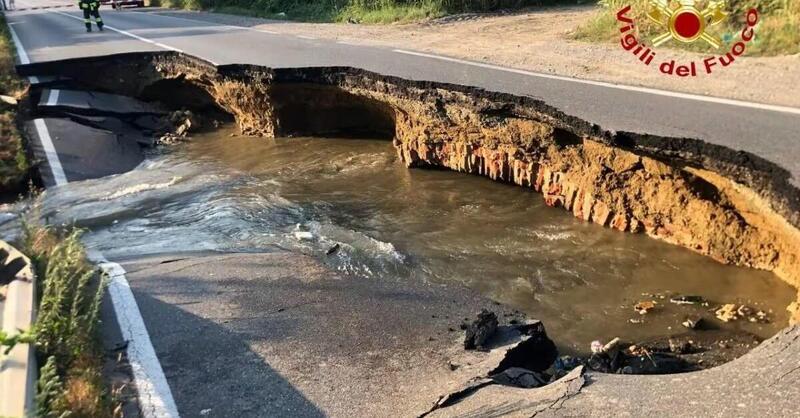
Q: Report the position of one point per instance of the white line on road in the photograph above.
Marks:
(155, 396)
(50, 152)
(52, 98)
(708, 99)
(23, 56)
(126, 33)
(306, 37)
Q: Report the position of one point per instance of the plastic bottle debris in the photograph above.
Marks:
(687, 300)
(610, 345)
(303, 235)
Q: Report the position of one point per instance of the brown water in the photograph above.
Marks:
(581, 280)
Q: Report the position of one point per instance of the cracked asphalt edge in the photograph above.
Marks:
(552, 396)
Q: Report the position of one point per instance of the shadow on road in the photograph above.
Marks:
(205, 366)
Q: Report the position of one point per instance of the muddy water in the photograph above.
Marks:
(251, 194)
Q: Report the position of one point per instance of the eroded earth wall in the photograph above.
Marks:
(732, 206)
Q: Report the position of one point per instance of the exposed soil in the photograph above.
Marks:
(540, 41)
(734, 207)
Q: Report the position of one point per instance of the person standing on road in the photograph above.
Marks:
(91, 8)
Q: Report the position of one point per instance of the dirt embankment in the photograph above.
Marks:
(736, 208)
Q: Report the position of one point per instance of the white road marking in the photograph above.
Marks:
(688, 96)
(52, 98)
(50, 152)
(155, 396)
(23, 56)
(126, 33)
(306, 37)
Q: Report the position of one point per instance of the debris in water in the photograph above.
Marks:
(679, 346)
(687, 300)
(761, 317)
(692, 322)
(744, 311)
(726, 313)
(567, 363)
(333, 249)
(529, 327)
(481, 330)
(303, 235)
(611, 345)
(644, 307)
(596, 346)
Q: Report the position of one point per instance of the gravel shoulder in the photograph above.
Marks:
(539, 41)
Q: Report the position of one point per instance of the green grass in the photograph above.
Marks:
(14, 164)
(778, 31)
(69, 292)
(362, 11)
(391, 13)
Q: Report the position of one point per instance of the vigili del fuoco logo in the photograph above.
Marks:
(685, 21)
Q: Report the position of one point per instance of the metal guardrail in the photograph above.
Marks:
(18, 368)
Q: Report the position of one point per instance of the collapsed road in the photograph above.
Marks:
(164, 282)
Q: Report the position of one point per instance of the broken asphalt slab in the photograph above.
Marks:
(764, 382)
(83, 152)
(94, 103)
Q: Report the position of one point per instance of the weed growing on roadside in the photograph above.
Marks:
(66, 329)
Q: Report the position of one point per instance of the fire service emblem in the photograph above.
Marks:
(686, 23)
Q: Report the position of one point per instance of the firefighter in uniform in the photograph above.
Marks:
(91, 8)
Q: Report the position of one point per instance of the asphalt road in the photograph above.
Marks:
(51, 34)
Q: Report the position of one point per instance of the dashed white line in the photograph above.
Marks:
(708, 99)
(155, 396)
(306, 37)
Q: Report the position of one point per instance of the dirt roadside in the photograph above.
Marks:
(540, 41)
